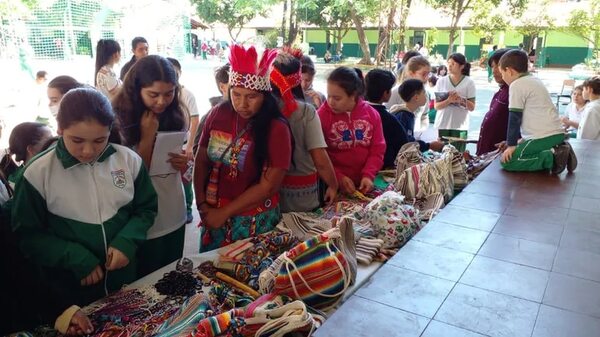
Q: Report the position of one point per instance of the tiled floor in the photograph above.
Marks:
(514, 254)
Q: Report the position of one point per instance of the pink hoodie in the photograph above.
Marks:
(355, 141)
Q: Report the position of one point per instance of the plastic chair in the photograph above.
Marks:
(565, 92)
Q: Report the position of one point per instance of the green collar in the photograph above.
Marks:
(456, 85)
(69, 161)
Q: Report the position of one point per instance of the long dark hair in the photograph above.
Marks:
(462, 60)
(261, 125)
(22, 136)
(105, 49)
(128, 103)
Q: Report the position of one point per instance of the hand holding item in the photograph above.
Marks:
(178, 160)
(149, 124)
(115, 259)
(347, 185)
(214, 218)
(94, 277)
(80, 325)
(366, 185)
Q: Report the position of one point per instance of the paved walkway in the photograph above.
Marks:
(514, 254)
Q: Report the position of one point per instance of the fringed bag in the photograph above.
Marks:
(425, 179)
(459, 167)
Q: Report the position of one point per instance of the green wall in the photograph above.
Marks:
(563, 49)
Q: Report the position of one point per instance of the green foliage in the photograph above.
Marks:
(585, 23)
(232, 13)
(488, 19)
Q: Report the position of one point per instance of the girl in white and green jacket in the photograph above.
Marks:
(83, 207)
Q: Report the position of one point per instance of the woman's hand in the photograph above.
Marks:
(178, 161)
(214, 218)
(80, 325)
(148, 124)
(94, 277)
(330, 195)
(366, 185)
(315, 96)
(116, 259)
(347, 185)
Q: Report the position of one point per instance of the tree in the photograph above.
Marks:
(455, 9)
(328, 15)
(584, 23)
(234, 14)
(488, 19)
(362, 11)
(536, 23)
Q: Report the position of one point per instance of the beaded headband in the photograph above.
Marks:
(285, 84)
(247, 71)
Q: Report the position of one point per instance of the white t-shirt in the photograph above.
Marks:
(454, 117)
(107, 80)
(574, 114)
(540, 118)
(172, 213)
(189, 101)
(589, 126)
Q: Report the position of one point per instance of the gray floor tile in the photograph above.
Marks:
(581, 239)
(488, 312)
(577, 263)
(439, 329)
(526, 194)
(574, 294)
(554, 322)
(583, 220)
(529, 229)
(468, 217)
(407, 290)
(507, 278)
(359, 317)
(481, 202)
(451, 236)
(538, 211)
(586, 204)
(529, 253)
(432, 260)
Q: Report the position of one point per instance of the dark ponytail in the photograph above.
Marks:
(105, 49)
(349, 79)
(22, 136)
(462, 60)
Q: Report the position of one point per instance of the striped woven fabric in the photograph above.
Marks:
(315, 271)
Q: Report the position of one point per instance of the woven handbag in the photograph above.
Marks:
(316, 271)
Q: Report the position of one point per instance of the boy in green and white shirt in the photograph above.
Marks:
(532, 113)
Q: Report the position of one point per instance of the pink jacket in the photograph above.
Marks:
(355, 141)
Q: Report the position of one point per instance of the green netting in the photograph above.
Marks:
(66, 29)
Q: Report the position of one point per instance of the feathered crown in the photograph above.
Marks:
(247, 71)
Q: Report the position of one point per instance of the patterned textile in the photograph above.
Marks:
(238, 228)
(459, 167)
(315, 271)
(394, 221)
(424, 179)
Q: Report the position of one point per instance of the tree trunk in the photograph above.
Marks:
(327, 39)
(362, 37)
(405, 9)
(232, 35)
(338, 40)
(451, 38)
(285, 7)
(293, 29)
(384, 35)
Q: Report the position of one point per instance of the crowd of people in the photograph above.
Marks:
(82, 215)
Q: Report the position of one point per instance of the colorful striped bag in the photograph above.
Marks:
(316, 271)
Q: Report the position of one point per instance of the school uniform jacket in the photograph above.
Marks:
(68, 213)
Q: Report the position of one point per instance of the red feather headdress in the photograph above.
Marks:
(247, 71)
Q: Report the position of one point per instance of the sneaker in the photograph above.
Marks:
(572, 161)
(561, 157)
